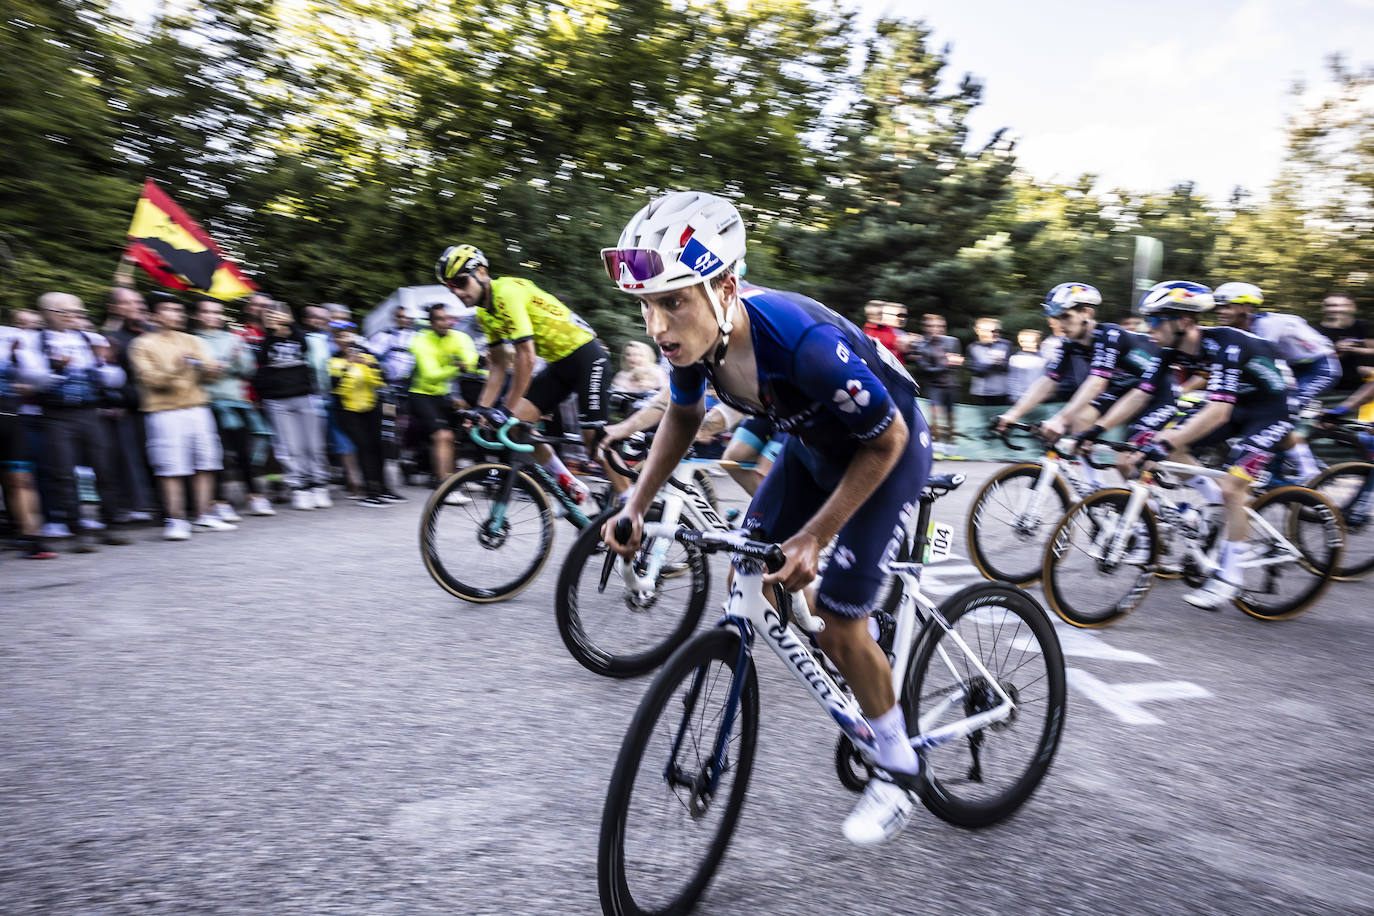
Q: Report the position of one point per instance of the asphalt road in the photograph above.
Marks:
(292, 718)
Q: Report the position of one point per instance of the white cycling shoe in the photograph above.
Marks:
(881, 814)
(1214, 594)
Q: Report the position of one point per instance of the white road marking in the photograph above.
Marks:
(1123, 700)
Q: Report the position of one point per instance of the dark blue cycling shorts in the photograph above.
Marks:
(802, 480)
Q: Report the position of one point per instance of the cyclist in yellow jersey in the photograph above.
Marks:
(536, 324)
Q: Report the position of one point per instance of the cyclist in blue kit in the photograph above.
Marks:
(857, 453)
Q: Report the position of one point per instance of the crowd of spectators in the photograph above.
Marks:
(175, 416)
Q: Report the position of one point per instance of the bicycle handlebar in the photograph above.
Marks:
(1005, 434)
(503, 440)
(770, 555)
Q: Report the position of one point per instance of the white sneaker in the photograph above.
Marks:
(302, 499)
(321, 496)
(260, 505)
(226, 513)
(91, 524)
(212, 523)
(52, 530)
(1214, 594)
(457, 498)
(881, 814)
(176, 529)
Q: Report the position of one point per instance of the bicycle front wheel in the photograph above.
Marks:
(983, 778)
(1093, 576)
(667, 821)
(1342, 485)
(1008, 523)
(486, 532)
(618, 632)
(1293, 551)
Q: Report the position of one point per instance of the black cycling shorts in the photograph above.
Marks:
(584, 372)
(14, 452)
(431, 412)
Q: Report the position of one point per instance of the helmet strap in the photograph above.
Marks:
(722, 322)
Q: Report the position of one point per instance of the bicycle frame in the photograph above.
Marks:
(680, 497)
(750, 612)
(519, 456)
(1053, 466)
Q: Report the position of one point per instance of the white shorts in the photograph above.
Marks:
(181, 442)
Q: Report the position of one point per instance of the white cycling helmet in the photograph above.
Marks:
(678, 240)
(1238, 294)
(1067, 295)
(1176, 296)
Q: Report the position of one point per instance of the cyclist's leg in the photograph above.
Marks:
(547, 389)
(753, 443)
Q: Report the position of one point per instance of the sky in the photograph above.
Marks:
(1144, 94)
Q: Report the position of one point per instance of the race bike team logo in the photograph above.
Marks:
(852, 396)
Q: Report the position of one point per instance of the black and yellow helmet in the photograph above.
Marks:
(458, 260)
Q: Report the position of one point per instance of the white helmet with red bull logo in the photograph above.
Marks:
(1176, 296)
(1069, 295)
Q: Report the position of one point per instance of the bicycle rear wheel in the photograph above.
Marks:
(1342, 485)
(983, 778)
(486, 532)
(1088, 582)
(1279, 583)
(616, 633)
(663, 828)
(1008, 527)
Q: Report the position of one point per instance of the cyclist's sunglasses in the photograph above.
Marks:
(629, 266)
(1155, 321)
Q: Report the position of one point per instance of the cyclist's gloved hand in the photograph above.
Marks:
(1157, 451)
(1335, 413)
(1086, 437)
(495, 415)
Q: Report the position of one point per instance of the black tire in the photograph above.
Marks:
(613, 634)
(1309, 521)
(1341, 485)
(999, 547)
(468, 556)
(1082, 588)
(624, 891)
(1016, 643)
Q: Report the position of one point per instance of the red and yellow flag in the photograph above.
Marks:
(179, 254)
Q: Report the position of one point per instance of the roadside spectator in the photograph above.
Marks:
(986, 362)
(1134, 324)
(236, 421)
(639, 369)
(933, 358)
(285, 382)
(1025, 365)
(21, 371)
(884, 321)
(80, 381)
(441, 353)
(357, 383)
(1352, 337)
(391, 346)
(171, 365)
(319, 326)
(127, 318)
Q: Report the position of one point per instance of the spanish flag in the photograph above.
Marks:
(179, 254)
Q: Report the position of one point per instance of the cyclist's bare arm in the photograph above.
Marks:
(524, 369)
(498, 361)
(1082, 397)
(674, 437)
(867, 470)
(646, 417)
(1035, 395)
(1125, 409)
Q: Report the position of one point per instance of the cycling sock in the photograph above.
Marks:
(1231, 552)
(1207, 488)
(1302, 457)
(555, 466)
(894, 747)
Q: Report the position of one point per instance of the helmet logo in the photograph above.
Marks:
(699, 258)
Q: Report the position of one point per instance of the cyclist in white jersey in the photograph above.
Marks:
(1309, 354)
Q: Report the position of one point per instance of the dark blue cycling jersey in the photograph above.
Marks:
(1112, 352)
(827, 384)
(820, 378)
(1237, 363)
